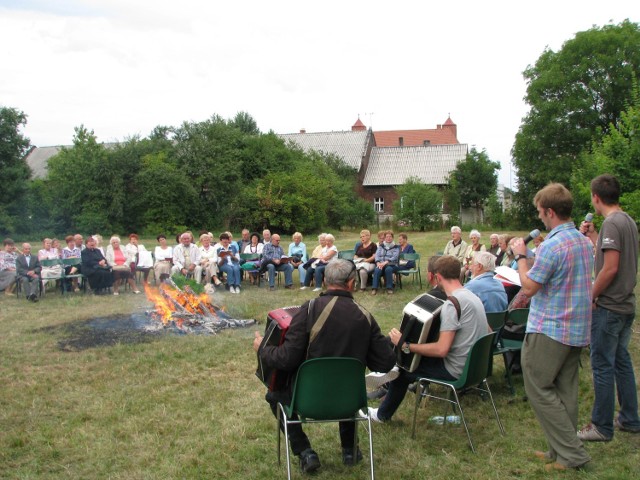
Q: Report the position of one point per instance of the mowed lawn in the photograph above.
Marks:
(80, 403)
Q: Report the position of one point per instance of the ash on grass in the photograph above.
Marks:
(117, 329)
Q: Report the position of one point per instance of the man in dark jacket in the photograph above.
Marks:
(28, 272)
(348, 331)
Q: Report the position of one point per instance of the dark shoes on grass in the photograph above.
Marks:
(348, 458)
(309, 461)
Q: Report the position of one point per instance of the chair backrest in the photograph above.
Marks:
(250, 256)
(518, 316)
(50, 262)
(71, 261)
(411, 257)
(346, 254)
(496, 320)
(329, 388)
(476, 369)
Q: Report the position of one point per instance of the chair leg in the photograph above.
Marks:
(370, 431)
(507, 369)
(495, 410)
(286, 438)
(464, 422)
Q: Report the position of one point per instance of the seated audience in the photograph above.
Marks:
(536, 243)
(503, 255)
(186, 258)
(28, 272)
(272, 261)
(71, 251)
(445, 358)
(133, 249)
(79, 241)
(255, 247)
(209, 260)
(488, 289)
(49, 253)
(120, 262)
(8, 258)
(55, 244)
(316, 270)
(494, 244)
(266, 236)
(472, 248)
(298, 253)
(95, 267)
(387, 257)
(244, 241)
(98, 238)
(317, 251)
(456, 247)
(228, 260)
(405, 247)
(365, 257)
(163, 254)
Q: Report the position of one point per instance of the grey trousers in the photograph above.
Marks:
(551, 375)
(7, 277)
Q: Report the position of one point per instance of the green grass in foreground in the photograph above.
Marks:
(190, 406)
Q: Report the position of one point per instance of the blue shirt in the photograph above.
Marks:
(299, 250)
(490, 291)
(561, 309)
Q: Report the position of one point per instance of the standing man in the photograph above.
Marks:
(559, 284)
(272, 261)
(614, 307)
(28, 272)
(348, 331)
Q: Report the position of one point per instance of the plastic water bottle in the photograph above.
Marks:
(453, 419)
(437, 420)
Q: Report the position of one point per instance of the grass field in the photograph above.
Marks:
(188, 406)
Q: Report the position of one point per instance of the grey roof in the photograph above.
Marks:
(348, 145)
(38, 159)
(431, 164)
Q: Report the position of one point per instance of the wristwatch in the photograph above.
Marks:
(520, 257)
(405, 348)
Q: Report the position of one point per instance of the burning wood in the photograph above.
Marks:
(187, 310)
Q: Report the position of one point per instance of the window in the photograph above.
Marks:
(401, 141)
(378, 204)
(426, 142)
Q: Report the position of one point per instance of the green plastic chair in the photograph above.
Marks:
(330, 389)
(496, 322)
(517, 316)
(474, 377)
(410, 271)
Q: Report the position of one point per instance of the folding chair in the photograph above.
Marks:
(496, 322)
(328, 389)
(473, 376)
(415, 257)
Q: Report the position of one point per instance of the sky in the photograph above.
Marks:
(123, 67)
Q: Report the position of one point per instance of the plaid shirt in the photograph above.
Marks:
(562, 307)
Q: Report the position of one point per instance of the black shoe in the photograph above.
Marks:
(33, 297)
(377, 393)
(348, 457)
(309, 461)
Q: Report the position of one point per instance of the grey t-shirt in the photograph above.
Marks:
(619, 232)
(471, 326)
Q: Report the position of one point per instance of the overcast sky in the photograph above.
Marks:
(122, 67)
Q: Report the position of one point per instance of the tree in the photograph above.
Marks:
(575, 96)
(419, 204)
(475, 179)
(619, 154)
(245, 123)
(14, 168)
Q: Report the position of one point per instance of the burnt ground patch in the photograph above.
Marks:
(105, 331)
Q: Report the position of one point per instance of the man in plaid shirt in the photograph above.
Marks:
(559, 324)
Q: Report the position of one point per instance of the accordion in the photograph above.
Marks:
(420, 324)
(278, 322)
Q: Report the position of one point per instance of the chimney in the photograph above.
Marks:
(303, 130)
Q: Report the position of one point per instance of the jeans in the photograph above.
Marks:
(431, 367)
(387, 271)
(612, 367)
(286, 268)
(233, 273)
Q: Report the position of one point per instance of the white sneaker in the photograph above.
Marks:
(303, 288)
(237, 289)
(375, 379)
(373, 414)
(317, 289)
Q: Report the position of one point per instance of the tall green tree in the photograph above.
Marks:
(575, 96)
(619, 154)
(14, 168)
(475, 179)
(419, 204)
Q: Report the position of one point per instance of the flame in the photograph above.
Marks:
(168, 300)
